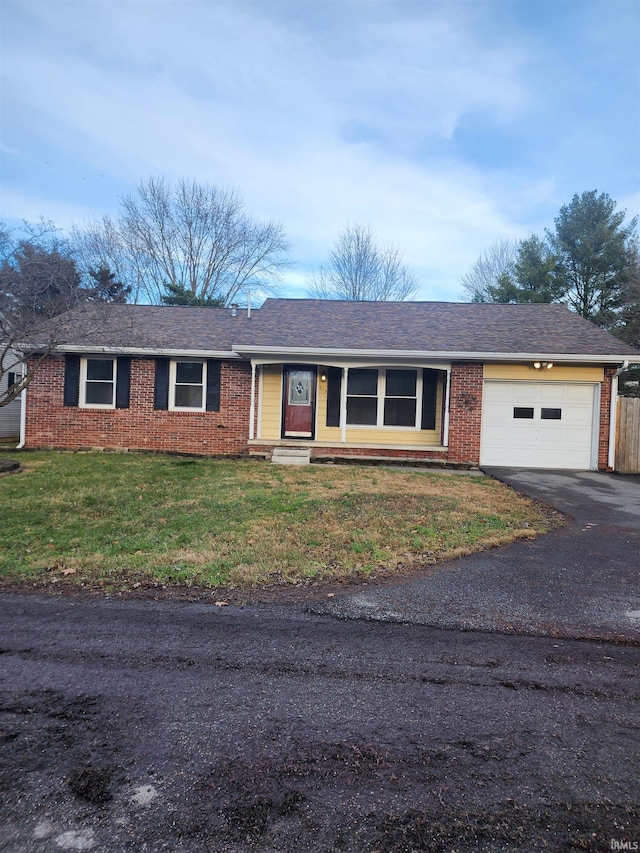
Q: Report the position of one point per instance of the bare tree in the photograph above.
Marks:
(194, 238)
(39, 285)
(493, 269)
(361, 270)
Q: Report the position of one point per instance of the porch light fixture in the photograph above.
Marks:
(323, 376)
(542, 365)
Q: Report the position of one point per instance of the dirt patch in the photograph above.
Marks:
(285, 593)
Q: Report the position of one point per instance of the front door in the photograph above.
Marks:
(299, 402)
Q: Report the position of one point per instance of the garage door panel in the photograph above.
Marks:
(561, 439)
(552, 394)
(516, 394)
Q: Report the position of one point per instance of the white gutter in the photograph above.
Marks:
(312, 353)
(171, 353)
(613, 415)
(23, 419)
(273, 354)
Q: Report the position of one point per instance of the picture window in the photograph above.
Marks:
(383, 398)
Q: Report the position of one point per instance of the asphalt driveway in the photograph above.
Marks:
(580, 581)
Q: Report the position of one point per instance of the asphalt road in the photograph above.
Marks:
(166, 726)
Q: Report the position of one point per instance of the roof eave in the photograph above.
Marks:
(445, 355)
(147, 351)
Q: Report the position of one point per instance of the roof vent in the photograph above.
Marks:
(234, 309)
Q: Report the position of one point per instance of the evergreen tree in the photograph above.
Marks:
(176, 294)
(534, 272)
(595, 252)
(106, 288)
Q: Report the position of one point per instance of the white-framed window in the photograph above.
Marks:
(187, 385)
(98, 383)
(384, 397)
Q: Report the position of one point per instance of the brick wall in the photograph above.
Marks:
(465, 412)
(140, 427)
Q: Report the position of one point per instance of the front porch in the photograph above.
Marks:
(385, 411)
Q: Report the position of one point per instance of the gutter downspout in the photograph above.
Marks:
(23, 419)
(611, 459)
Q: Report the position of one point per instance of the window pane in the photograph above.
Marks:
(362, 381)
(401, 383)
(189, 396)
(300, 387)
(523, 412)
(100, 368)
(362, 410)
(100, 393)
(189, 372)
(398, 412)
(551, 414)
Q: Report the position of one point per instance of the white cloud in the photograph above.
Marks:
(320, 113)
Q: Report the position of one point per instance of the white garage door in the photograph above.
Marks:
(538, 425)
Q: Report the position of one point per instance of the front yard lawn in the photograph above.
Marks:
(125, 521)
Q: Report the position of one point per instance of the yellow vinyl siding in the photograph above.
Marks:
(381, 436)
(385, 437)
(271, 401)
(558, 373)
(391, 436)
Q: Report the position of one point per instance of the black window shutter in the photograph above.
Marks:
(161, 387)
(429, 391)
(123, 381)
(334, 387)
(213, 385)
(71, 380)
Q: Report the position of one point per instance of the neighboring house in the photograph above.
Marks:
(10, 414)
(455, 383)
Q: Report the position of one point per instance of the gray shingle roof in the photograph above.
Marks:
(428, 327)
(157, 327)
(290, 324)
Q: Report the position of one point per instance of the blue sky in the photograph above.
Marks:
(443, 126)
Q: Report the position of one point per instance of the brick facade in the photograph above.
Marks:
(139, 427)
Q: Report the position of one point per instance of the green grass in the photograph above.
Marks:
(123, 520)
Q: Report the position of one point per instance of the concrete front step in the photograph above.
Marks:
(291, 456)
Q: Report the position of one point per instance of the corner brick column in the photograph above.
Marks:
(605, 420)
(465, 412)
